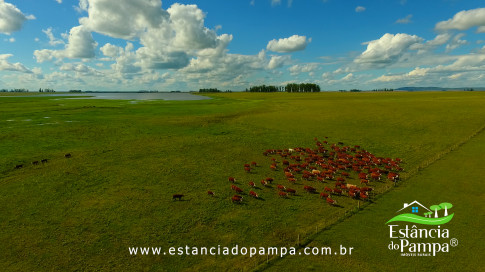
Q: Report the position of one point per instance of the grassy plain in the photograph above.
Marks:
(128, 158)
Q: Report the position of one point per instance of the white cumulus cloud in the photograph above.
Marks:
(122, 18)
(52, 40)
(5, 65)
(80, 45)
(388, 49)
(291, 44)
(405, 20)
(464, 20)
(360, 9)
(11, 18)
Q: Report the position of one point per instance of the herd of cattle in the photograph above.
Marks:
(43, 161)
(344, 170)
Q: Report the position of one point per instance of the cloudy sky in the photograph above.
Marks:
(130, 45)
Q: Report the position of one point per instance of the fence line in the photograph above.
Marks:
(308, 237)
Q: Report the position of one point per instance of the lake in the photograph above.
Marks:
(126, 96)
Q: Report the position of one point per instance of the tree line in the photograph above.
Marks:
(47, 90)
(213, 90)
(14, 90)
(302, 88)
(290, 87)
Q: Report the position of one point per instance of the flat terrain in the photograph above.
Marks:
(129, 157)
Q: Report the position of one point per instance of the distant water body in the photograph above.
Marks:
(128, 96)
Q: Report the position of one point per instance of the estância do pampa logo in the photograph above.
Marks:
(425, 237)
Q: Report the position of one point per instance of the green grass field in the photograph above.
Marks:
(129, 158)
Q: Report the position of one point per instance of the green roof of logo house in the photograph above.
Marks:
(411, 211)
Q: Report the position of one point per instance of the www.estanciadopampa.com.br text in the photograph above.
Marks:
(240, 251)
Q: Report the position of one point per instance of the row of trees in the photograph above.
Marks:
(213, 90)
(290, 87)
(383, 90)
(209, 90)
(14, 90)
(302, 88)
(47, 90)
(264, 89)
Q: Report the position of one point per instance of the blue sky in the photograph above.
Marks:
(130, 45)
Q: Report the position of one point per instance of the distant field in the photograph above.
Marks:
(128, 158)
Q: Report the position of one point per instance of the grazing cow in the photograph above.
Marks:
(253, 194)
(289, 175)
(237, 189)
(331, 201)
(393, 176)
(236, 198)
(35, 163)
(281, 187)
(337, 191)
(364, 181)
(44, 160)
(283, 194)
(309, 189)
(264, 182)
(291, 180)
(291, 191)
(340, 179)
(247, 169)
(353, 193)
(375, 176)
(254, 163)
(177, 196)
(316, 172)
(323, 195)
(251, 184)
(362, 175)
(68, 155)
(326, 189)
(210, 193)
(364, 195)
(345, 174)
(231, 179)
(270, 180)
(273, 166)
(18, 166)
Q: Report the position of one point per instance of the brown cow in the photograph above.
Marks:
(283, 194)
(309, 189)
(253, 194)
(236, 198)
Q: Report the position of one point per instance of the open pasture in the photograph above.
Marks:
(129, 159)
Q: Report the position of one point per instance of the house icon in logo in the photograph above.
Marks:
(411, 213)
(413, 207)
